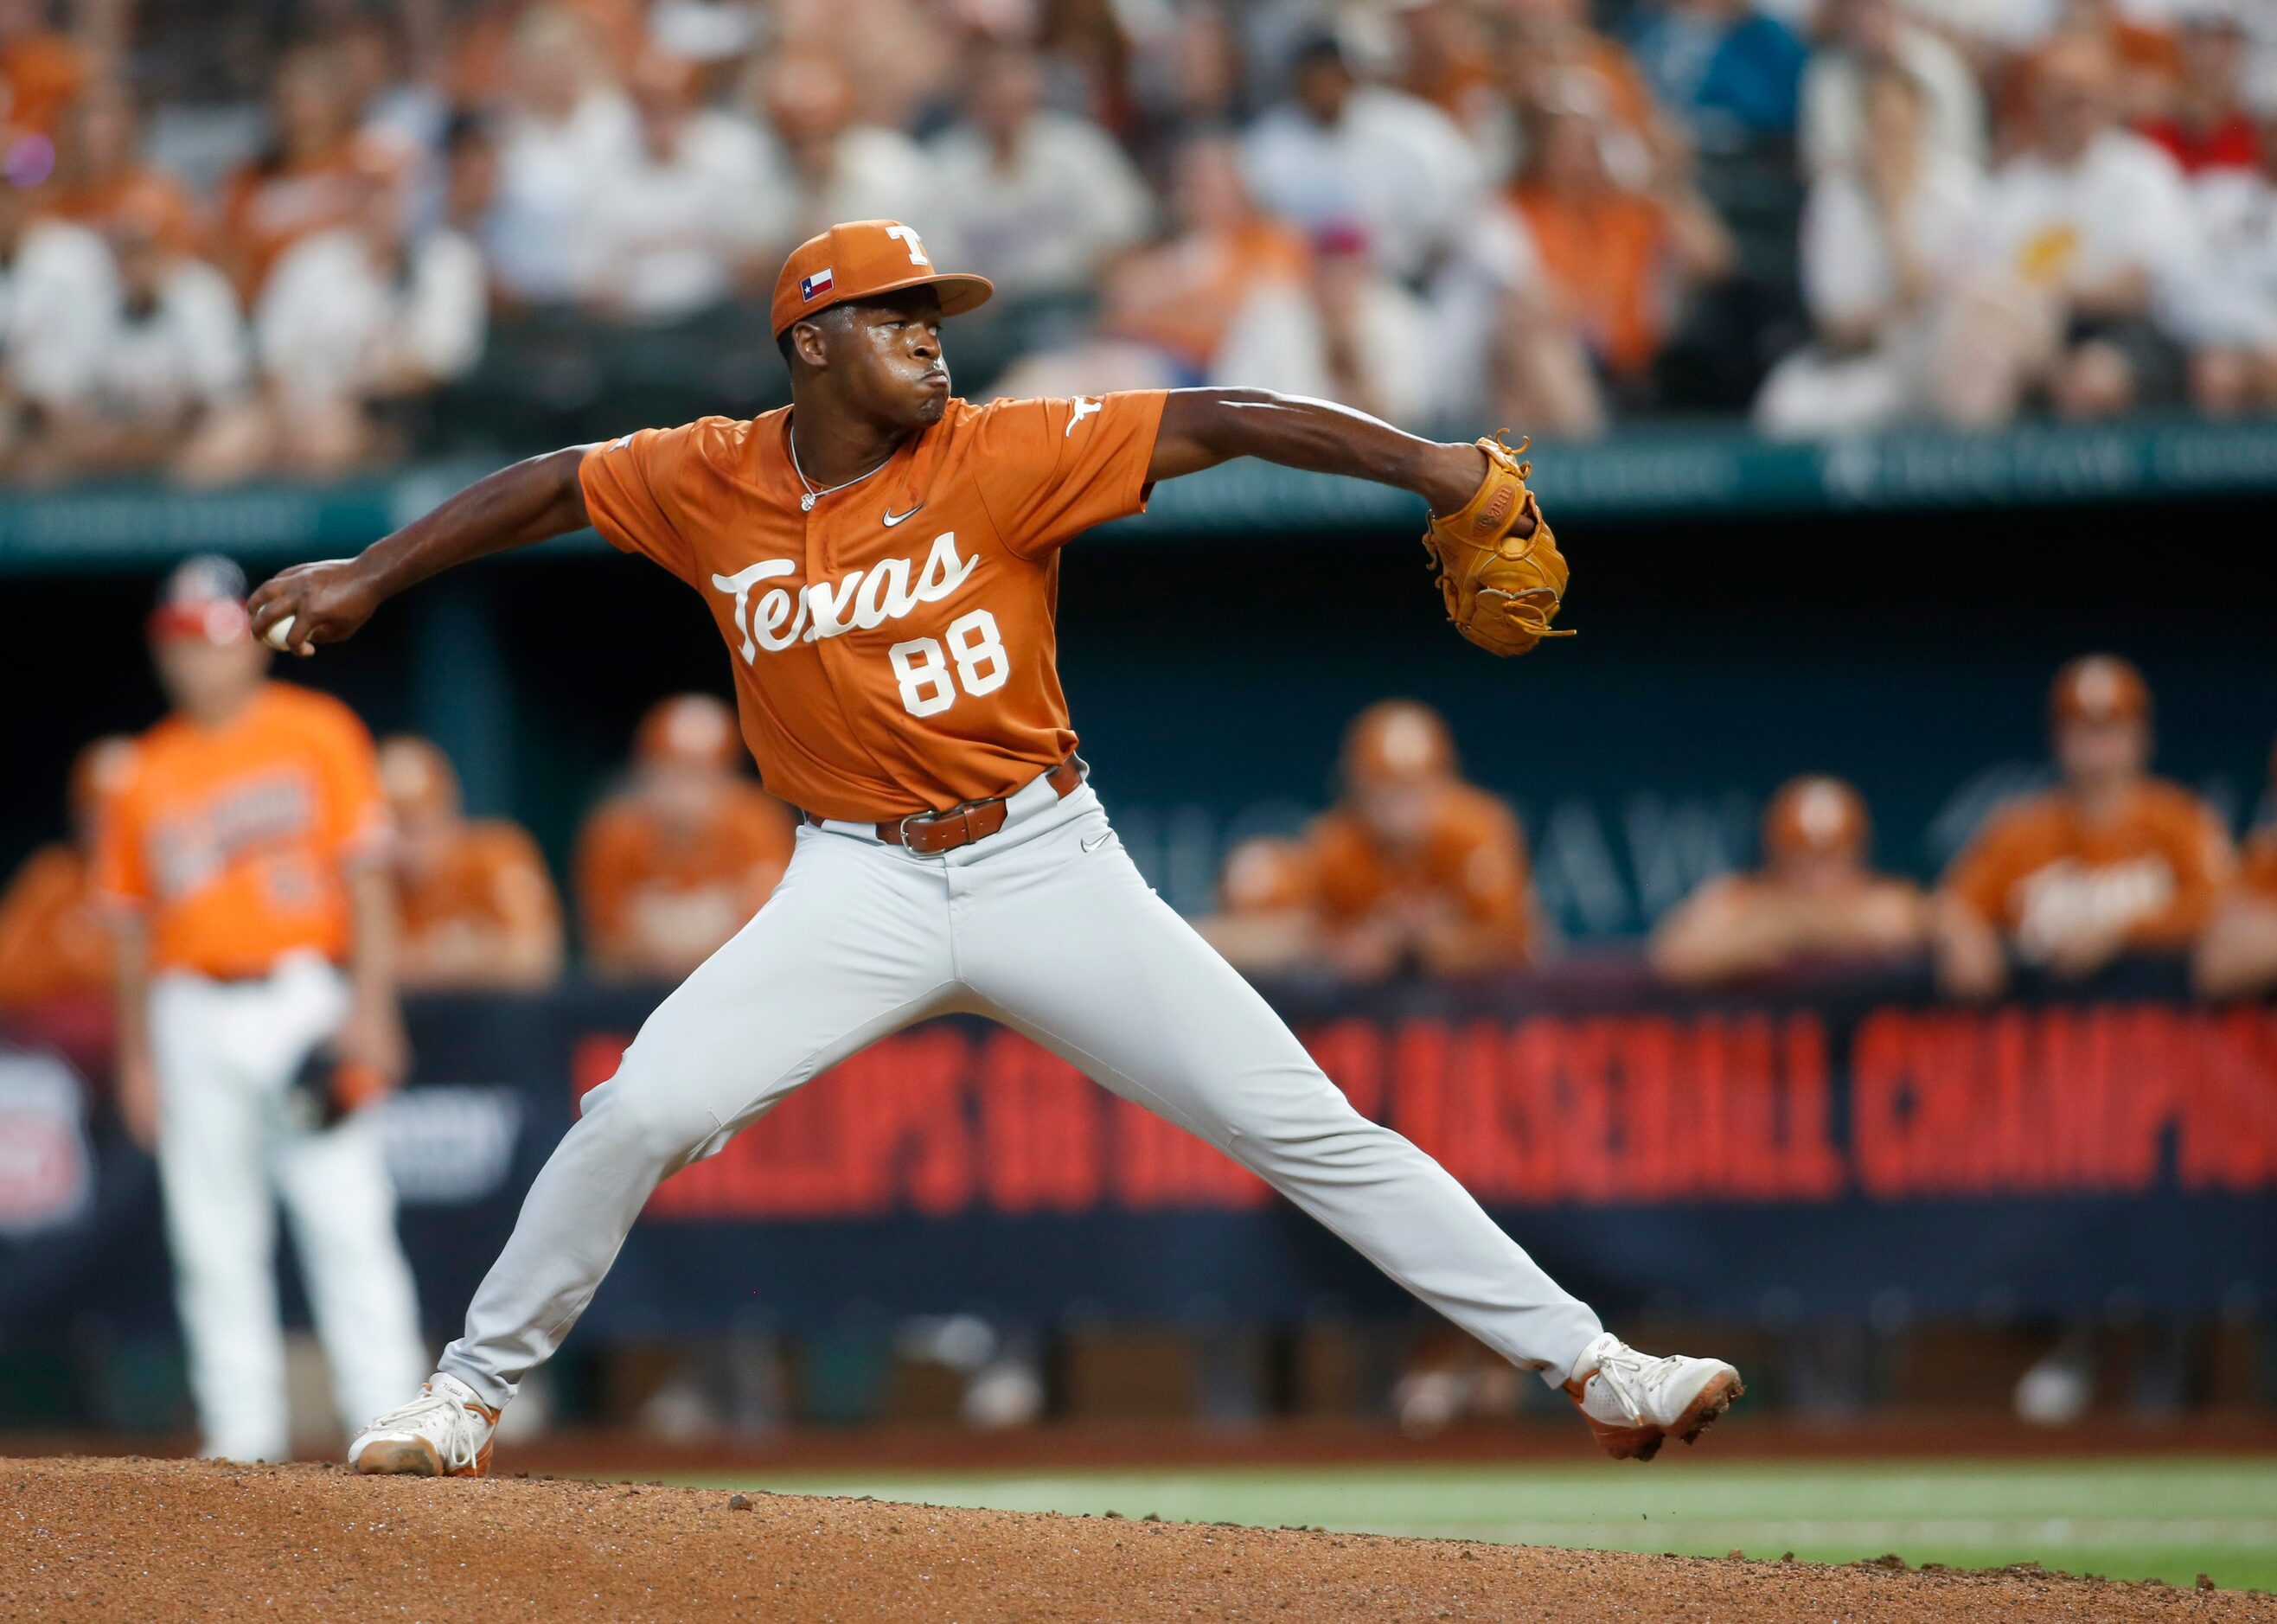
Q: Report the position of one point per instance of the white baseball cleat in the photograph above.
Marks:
(1635, 1403)
(444, 1432)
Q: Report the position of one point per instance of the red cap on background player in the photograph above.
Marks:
(204, 599)
(863, 259)
(2100, 688)
(1813, 816)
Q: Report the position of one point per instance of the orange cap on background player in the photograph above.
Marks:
(96, 773)
(863, 259)
(204, 598)
(689, 731)
(1398, 741)
(417, 777)
(2100, 688)
(1816, 815)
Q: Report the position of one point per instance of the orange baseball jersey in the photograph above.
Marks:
(1472, 861)
(234, 841)
(53, 939)
(641, 891)
(894, 648)
(2043, 874)
(489, 877)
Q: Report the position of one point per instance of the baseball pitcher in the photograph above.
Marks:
(881, 560)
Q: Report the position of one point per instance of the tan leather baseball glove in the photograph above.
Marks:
(1503, 580)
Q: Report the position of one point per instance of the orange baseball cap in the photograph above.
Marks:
(863, 259)
(1398, 741)
(1815, 814)
(690, 731)
(417, 777)
(2100, 688)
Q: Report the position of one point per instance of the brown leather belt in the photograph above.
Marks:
(929, 833)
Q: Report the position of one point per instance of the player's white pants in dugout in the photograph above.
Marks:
(1046, 927)
(226, 1053)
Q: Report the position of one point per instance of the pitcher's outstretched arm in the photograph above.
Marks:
(1202, 428)
(518, 506)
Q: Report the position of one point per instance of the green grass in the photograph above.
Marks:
(2166, 1518)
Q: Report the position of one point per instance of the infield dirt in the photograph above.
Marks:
(135, 1539)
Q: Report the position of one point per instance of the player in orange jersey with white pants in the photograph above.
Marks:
(242, 858)
(2110, 860)
(882, 561)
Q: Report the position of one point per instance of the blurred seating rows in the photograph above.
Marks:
(321, 234)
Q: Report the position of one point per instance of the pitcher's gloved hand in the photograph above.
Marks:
(1499, 567)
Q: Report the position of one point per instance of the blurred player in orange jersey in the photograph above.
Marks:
(54, 942)
(2238, 956)
(1816, 898)
(675, 864)
(2109, 861)
(1414, 866)
(479, 908)
(1269, 914)
(243, 856)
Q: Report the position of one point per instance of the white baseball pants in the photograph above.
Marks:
(225, 1054)
(1046, 927)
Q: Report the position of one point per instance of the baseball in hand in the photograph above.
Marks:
(279, 636)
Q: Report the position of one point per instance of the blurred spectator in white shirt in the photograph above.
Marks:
(2227, 309)
(1339, 150)
(1038, 200)
(1861, 35)
(1373, 334)
(363, 314)
(566, 122)
(56, 286)
(1885, 235)
(674, 227)
(829, 167)
(167, 382)
(2089, 238)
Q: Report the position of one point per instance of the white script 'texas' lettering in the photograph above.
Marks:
(862, 599)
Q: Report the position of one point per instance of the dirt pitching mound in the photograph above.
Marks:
(171, 1540)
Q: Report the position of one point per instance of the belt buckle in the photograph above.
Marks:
(962, 808)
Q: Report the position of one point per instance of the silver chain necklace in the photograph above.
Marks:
(806, 503)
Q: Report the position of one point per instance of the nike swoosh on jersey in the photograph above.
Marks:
(892, 518)
(1093, 845)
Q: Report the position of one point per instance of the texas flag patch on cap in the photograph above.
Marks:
(815, 285)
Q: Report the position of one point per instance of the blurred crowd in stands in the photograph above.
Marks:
(311, 236)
